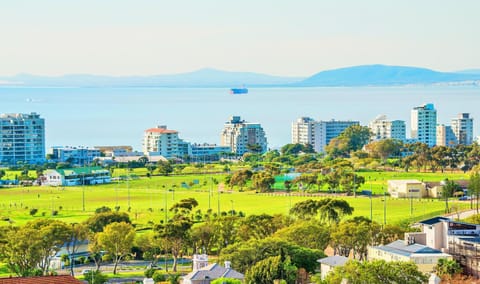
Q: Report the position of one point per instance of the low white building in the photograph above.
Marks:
(328, 264)
(77, 176)
(407, 188)
(426, 258)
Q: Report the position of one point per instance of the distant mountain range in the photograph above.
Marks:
(365, 75)
(384, 75)
(201, 78)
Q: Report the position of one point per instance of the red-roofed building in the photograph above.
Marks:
(58, 279)
(161, 141)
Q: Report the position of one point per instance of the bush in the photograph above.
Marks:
(149, 272)
(158, 276)
(95, 277)
(33, 211)
(54, 212)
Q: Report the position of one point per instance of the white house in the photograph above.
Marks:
(204, 273)
(328, 264)
(77, 176)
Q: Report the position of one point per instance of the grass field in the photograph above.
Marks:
(148, 198)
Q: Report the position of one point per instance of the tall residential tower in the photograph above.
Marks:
(462, 127)
(22, 138)
(424, 124)
(242, 136)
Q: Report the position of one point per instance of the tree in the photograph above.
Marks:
(184, 206)
(164, 167)
(53, 234)
(240, 178)
(447, 268)
(243, 255)
(30, 247)
(331, 210)
(93, 277)
(2, 173)
(78, 234)
(313, 235)
(448, 189)
(117, 240)
(272, 268)
(384, 148)
(149, 246)
(354, 235)
(97, 222)
(259, 226)
(263, 181)
(377, 272)
(226, 281)
(20, 250)
(474, 185)
(254, 148)
(175, 235)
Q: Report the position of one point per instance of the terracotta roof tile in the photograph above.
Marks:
(161, 130)
(59, 279)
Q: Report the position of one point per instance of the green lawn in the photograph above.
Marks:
(148, 197)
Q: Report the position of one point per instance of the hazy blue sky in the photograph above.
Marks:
(300, 37)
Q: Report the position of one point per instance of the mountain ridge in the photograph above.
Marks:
(360, 75)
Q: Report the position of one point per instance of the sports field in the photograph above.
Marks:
(147, 199)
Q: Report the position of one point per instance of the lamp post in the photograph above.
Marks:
(128, 189)
(83, 192)
(384, 206)
(371, 205)
(165, 208)
(231, 201)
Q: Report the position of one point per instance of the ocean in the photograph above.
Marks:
(118, 116)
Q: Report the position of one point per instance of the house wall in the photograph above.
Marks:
(406, 189)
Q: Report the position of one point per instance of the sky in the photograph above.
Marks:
(278, 37)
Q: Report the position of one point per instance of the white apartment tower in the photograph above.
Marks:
(318, 133)
(306, 130)
(240, 135)
(424, 124)
(445, 136)
(22, 138)
(387, 129)
(462, 127)
(161, 141)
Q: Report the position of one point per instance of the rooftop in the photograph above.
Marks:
(161, 131)
(334, 261)
(399, 247)
(213, 271)
(434, 220)
(63, 279)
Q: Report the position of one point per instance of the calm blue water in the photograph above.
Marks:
(118, 116)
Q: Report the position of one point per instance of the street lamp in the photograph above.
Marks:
(231, 201)
(371, 205)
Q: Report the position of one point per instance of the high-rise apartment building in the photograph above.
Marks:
(22, 138)
(387, 129)
(242, 136)
(445, 136)
(306, 130)
(318, 133)
(161, 141)
(462, 127)
(424, 124)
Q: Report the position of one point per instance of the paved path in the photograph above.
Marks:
(462, 215)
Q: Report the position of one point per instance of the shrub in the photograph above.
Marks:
(33, 211)
(158, 276)
(149, 272)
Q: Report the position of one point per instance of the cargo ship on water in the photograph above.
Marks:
(237, 91)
